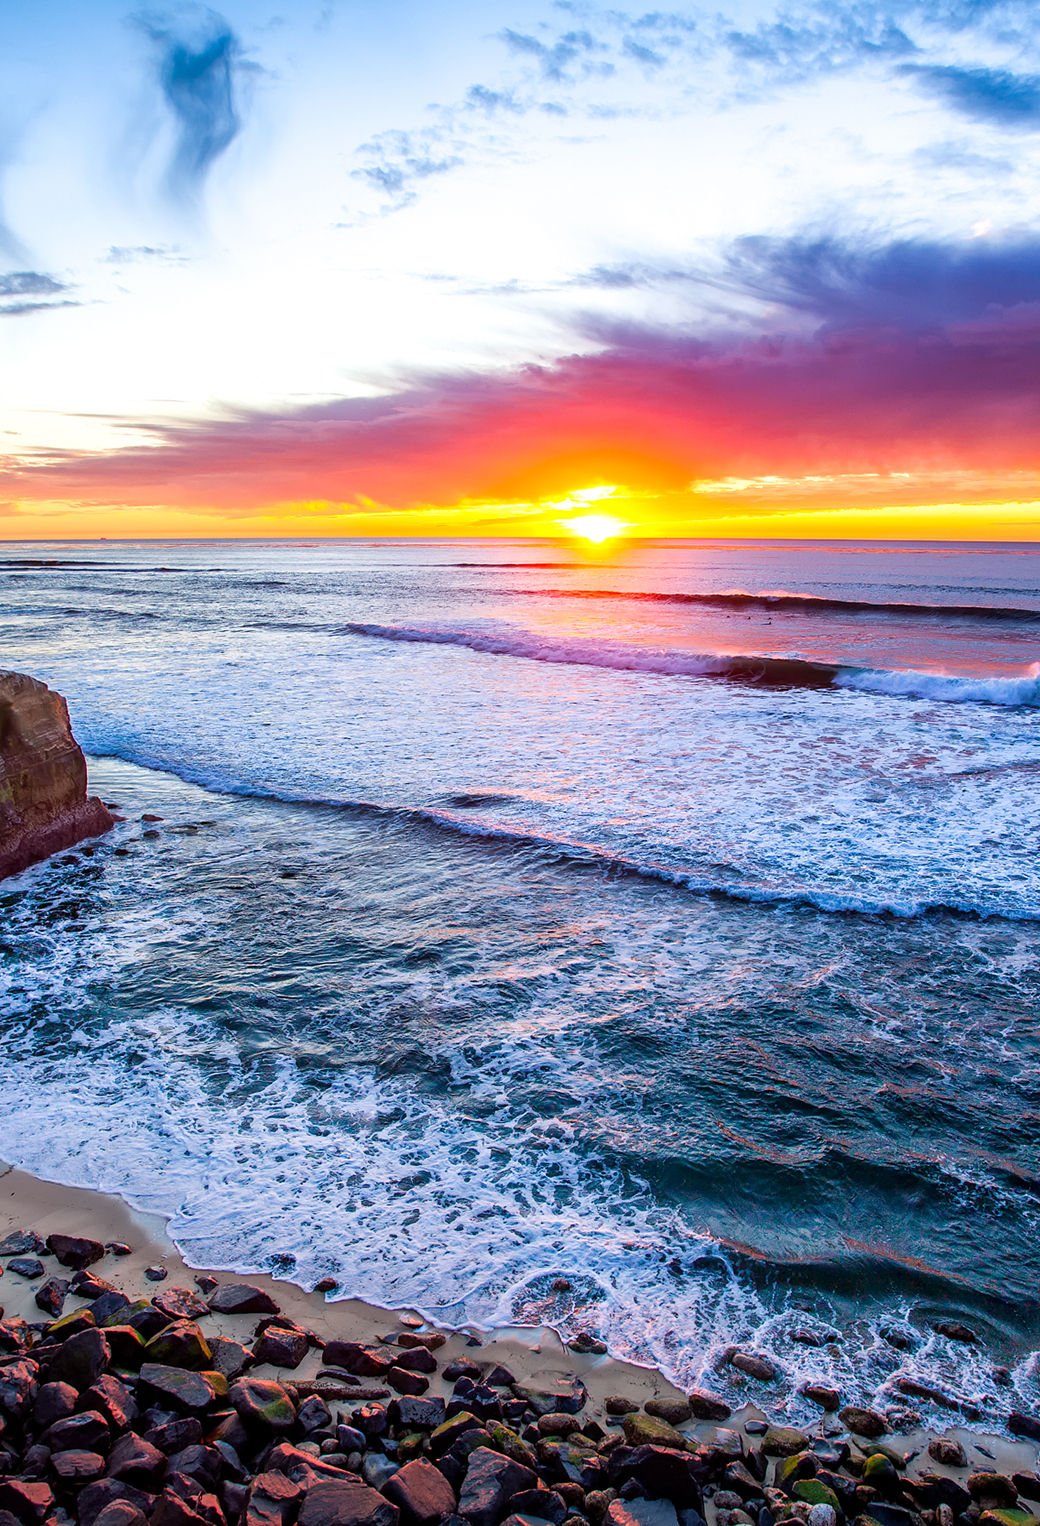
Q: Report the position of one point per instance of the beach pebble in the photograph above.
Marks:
(326, 1285)
(822, 1515)
(118, 1247)
(585, 1343)
(156, 1273)
(864, 1422)
(949, 1453)
(377, 1470)
(827, 1398)
(756, 1427)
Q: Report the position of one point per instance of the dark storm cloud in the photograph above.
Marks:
(198, 53)
(986, 95)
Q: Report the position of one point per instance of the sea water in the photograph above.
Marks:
(664, 920)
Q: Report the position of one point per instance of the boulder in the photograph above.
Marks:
(281, 1347)
(191, 1391)
(644, 1430)
(403, 1382)
(87, 1432)
(357, 1358)
(707, 1406)
(18, 1387)
(29, 1267)
(22, 1242)
(416, 1414)
(947, 1451)
(77, 1467)
(107, 1304)
(783, 1441)
(262, 1406)
(26, 1498)
(1024, 1425)
(662, 1473)
(136, 1462)
(992, 1489)
(673, 1411)
(864, 1422)
(241, 1298)
(180, 1345)
(754, 1366)
(271, 1500)
(120, 1513)
(567, 1398)
(229, 1357)
(74, 1251)
(180, 1303)
(827, 1398)
(113, 1400)
(175, 1435)
(54, 1401)
(421, 1493)
(80, 1360)
(346, 1501)
(44, 806)
(491, 1480)
(98, 1497)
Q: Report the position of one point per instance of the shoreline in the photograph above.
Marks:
(535, 1355)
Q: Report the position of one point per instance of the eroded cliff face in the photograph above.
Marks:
(43, 777)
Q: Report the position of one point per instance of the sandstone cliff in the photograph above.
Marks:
(43, 777)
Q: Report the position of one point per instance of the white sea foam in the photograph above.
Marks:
(1021, 689)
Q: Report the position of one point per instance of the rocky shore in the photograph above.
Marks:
(44, 806)
(128, 1395)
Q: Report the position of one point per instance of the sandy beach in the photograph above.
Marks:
(537, 1359)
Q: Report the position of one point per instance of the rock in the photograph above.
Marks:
(827, 1398)
(445, 1435)
(354, 1357)
(540, 1502)
(420, 1360)
(180, 1303)
(88, 1432)
(754, 1366)
(86, 1285)
(18, 1387)
(107, 1305)
(565, 1399)
(992, 1488)
(175, 1435)
(314, 1414)
(1003, 1516)
(114, 1400)
(156, 1273)
(662, 1472)
(183, 1390)
(587, 1344)
(816, 1493)
(346, 1502)
(119, 1513)
(431, 1340)
(229, 1357)
(198, 1462)
(509, 1444)
(789, 1469)
(180, 1345)
(416, 1414)
(949, 1453)
(126, 1346)
(615, 1404)
(674, 1411)
(241, 1298)
(645, 1430)
(738, 1480)
(864, 1422)
(22, 1242)
(271, 1500)
(421, 1493)
(76, 1467)
(406, 1382)
(27, 1500)
(557, 1425)
(262, 1406)
(71, 1324)
(641, 1513)
(281, 1347)
(1024, 1425)
(954, 1331)
(1027, 1484)
(462, 1367)
(782, 1441)
(823, 1515)
(28, 1267)
(98, 1497)
(54, 1401)
(73, 1251)
(707, 1406)
(80, 1360)
(43, 777)
(14, 1335)
(136, 1462)
(490, 1481)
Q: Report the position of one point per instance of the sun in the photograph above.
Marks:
(595, 527)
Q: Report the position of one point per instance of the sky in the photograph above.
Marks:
(355, 268)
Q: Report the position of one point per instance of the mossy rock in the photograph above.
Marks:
(783, 1441)
(646, 1431)
(790, 1469)
(813, 1492)
(509, 1444)
(880, 1474)
(1006, 1515)
(180, 1345)
(188, 1391)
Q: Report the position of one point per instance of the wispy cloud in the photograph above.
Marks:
(198, 54)
(28, 291)
(986, 95)
(910, 357)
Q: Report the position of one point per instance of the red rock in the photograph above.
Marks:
(113, 1400)
(88, 1430)
(77, 1467)
(362, 1361)
(271, 1500)
(136, 1462)
(43, 778)
(282, 1348)
(27, 1500)
(407, 1382)
(346, 1501)
(119, 1513)
(421, 1493)
(180, 1303)
(97, 1497)
(490, 1481)
(430, 1340)
(18, 1387)
(241, 1298)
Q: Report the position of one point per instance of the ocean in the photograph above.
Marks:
(662, 921)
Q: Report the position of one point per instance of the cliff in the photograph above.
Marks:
(43, 777)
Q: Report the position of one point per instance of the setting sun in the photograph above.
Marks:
(596, 527)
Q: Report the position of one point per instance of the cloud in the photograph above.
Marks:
(197, 63)
(986, 95)
(18, 288)
(119, 254)
(914, 357)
